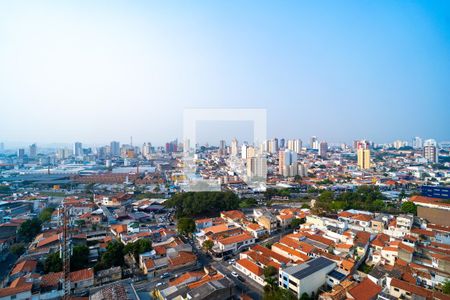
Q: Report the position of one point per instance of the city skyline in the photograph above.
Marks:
(376, 71)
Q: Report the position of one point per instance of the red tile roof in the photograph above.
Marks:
(51, 279)
(297, 254)
(235, 239)
(82, 275)
(26, 266)
(366, 290)
(182, 258)
(186, 276)
(429, 200)
(412, 288)
(345, 214)
(47, 241)
(233, 214)
(268, 252)
(362, 217)
(252, 267)
(9, 291)
(406, 248)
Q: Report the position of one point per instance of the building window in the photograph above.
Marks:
(293, 282)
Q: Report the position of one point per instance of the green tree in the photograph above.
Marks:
(305, 296)
(192, 204)
(186, 226)
(409, 207)
(46, 214)
(53, 263)
(247, 203)
(270, 271)
(278, 294)
(297, 222)
(80, 258)
(17, 249)
(29, 229)
(138, 247)
(446, 287)
(113, 256)
(207, 245)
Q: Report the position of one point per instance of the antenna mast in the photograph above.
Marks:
(65, 249)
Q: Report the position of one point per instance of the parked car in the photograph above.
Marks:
(241, 278)
(165, 275)
(232, 261)
(234, 274)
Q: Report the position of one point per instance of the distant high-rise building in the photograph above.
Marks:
(244, 151)
(146, 150)
(21, 153)
(172, 146)
(400, 144)
(257, 166)
(323, 149)
(294, 145)
(417, 143)
(430, 151)
(287, 163)
(2, 147)
(312, 142)
(363, 158)
(115, 149)
(282, 143)
(102, 152)
(33, 151)
(222, 147)
(234, 147)
(361, 144)
(302, 170)
(78, 149)
(273, 146)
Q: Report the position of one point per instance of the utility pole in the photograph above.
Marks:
(65, 252)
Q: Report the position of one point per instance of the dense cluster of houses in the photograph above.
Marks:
(354, 255)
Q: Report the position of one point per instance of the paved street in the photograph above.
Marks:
(247, 287)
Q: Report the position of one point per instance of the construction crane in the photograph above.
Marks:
(65, 252)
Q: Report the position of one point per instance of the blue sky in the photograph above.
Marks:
(97, 71)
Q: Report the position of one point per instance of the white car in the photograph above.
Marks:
(234, 274)
(231, 261)
(159, 284)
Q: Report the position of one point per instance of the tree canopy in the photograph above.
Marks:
(46, 214)
(270, 271)
(80, 258)
(17, 249)
(186, 226)
(446, 287)
(202, 203)
(247, 203)
(29, 229)
(113, 256)
(409, 207)
(207, 245)
(296, 222)
(138, 247)
(278, 293)
(53, 263)
(364, 198)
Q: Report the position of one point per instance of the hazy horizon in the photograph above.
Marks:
(101, 71)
